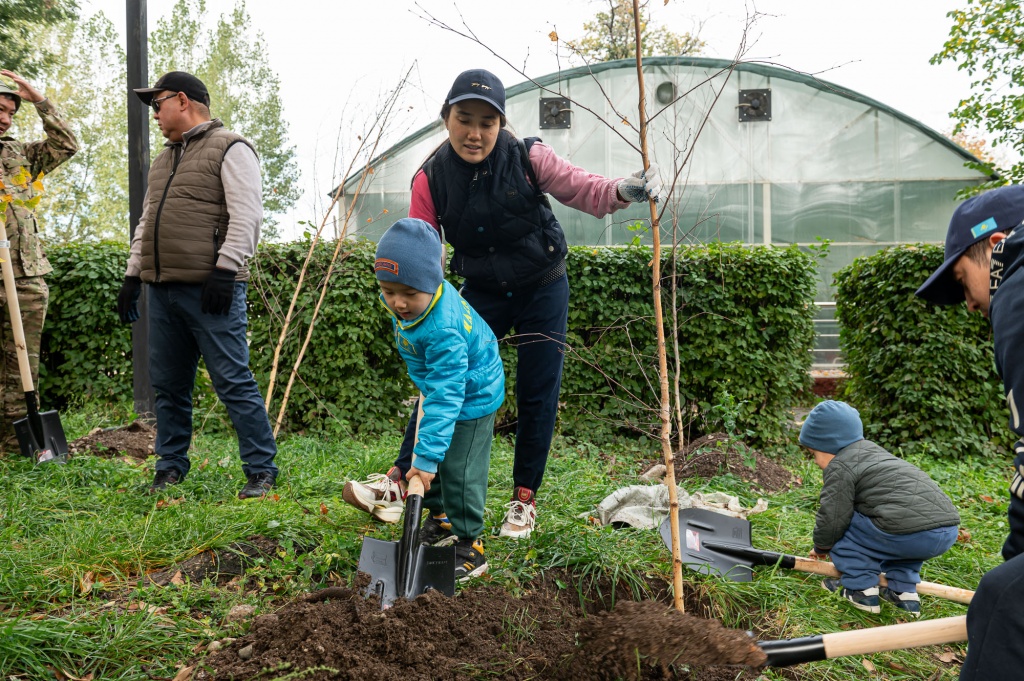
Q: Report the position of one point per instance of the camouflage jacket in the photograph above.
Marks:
(21, 165)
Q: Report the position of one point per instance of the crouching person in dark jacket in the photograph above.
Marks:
(878, 513)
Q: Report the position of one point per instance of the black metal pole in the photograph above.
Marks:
(138, 168)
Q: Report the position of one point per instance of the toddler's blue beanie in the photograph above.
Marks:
(409, 253)
(831, 426)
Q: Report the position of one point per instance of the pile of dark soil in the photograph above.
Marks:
(717, 454)
(134, 440)
(662, 635)
(483, 632)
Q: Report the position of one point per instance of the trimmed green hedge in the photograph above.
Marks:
(86, 351)
(922, 376)
(745, 316)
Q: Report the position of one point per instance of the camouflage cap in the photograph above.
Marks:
(8, 91)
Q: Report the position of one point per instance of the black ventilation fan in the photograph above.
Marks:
(755, 105)
(555, 113)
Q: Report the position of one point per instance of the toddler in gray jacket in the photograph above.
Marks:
(878, 513)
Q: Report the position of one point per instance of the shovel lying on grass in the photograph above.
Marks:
(716, 543)
(40, 434)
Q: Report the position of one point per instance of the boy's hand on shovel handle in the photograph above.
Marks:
(419, 481)
(818, 556)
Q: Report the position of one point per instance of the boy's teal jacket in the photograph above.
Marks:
(452, 357)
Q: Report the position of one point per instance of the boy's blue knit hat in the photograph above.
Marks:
(409, 253)
(831, 426)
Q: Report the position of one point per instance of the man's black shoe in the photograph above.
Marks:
(163, 479)
(257, 486)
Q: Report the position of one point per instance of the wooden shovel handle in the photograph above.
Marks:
(896, 637)
(17, 330)
(951, 593)
(415, 485)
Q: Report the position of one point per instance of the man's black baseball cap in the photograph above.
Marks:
(997, 210)
(176, 81)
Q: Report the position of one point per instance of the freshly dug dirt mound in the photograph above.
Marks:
(662, 635)
(134, 440)
(484, 632)
(714, 454)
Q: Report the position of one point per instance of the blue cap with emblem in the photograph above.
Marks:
(997, 210)
(478, 84)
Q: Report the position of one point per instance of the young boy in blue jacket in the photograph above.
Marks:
(452, 357)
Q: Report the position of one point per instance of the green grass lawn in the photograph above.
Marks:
(76, 540)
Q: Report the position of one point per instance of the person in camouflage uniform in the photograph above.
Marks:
(21, 168)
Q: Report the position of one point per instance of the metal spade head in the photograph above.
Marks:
(41, 436)
(702, 532)
(406, 568)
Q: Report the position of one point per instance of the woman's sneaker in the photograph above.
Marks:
(469, 559)
(521, 515)
(381, 496)
(907, 601)
(437, 531)
(866, 599)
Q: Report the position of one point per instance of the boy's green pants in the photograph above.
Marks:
(460, 488)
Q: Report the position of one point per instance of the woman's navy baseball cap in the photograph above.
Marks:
(478, 84)
(997, 210)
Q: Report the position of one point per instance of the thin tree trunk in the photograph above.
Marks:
(666, 421)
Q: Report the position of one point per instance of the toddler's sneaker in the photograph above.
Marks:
(437, 531)
(866, 600)
(907, 601)
(469, 559)
(521, 515)
(381, 496)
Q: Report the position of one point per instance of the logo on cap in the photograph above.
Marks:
(386, 265)
(983, 227)
(486, 87)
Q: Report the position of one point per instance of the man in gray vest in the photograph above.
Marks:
(200, 224)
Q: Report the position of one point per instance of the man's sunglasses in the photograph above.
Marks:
(155, 103)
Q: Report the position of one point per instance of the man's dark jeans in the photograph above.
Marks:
(179, 333)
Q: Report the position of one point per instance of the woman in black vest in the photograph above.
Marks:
(485, 190)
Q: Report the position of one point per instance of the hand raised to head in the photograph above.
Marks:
(25, 90)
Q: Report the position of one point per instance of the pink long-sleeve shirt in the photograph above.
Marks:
(569, 184)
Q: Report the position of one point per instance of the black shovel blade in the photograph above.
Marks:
(379, 560)
(433, 568)
(41, 436)
(705, 538)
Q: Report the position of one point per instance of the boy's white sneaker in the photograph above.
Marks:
(521, 515)
(380, 495)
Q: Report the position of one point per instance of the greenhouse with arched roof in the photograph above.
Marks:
(758, 153)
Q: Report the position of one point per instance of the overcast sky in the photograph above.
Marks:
(335, 57)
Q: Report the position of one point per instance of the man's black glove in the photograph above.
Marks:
(128, 300)
(218, 290)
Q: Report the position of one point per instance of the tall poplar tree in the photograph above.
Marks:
(87, 197)
(19, 24)
(610, 35)
(244, 90)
